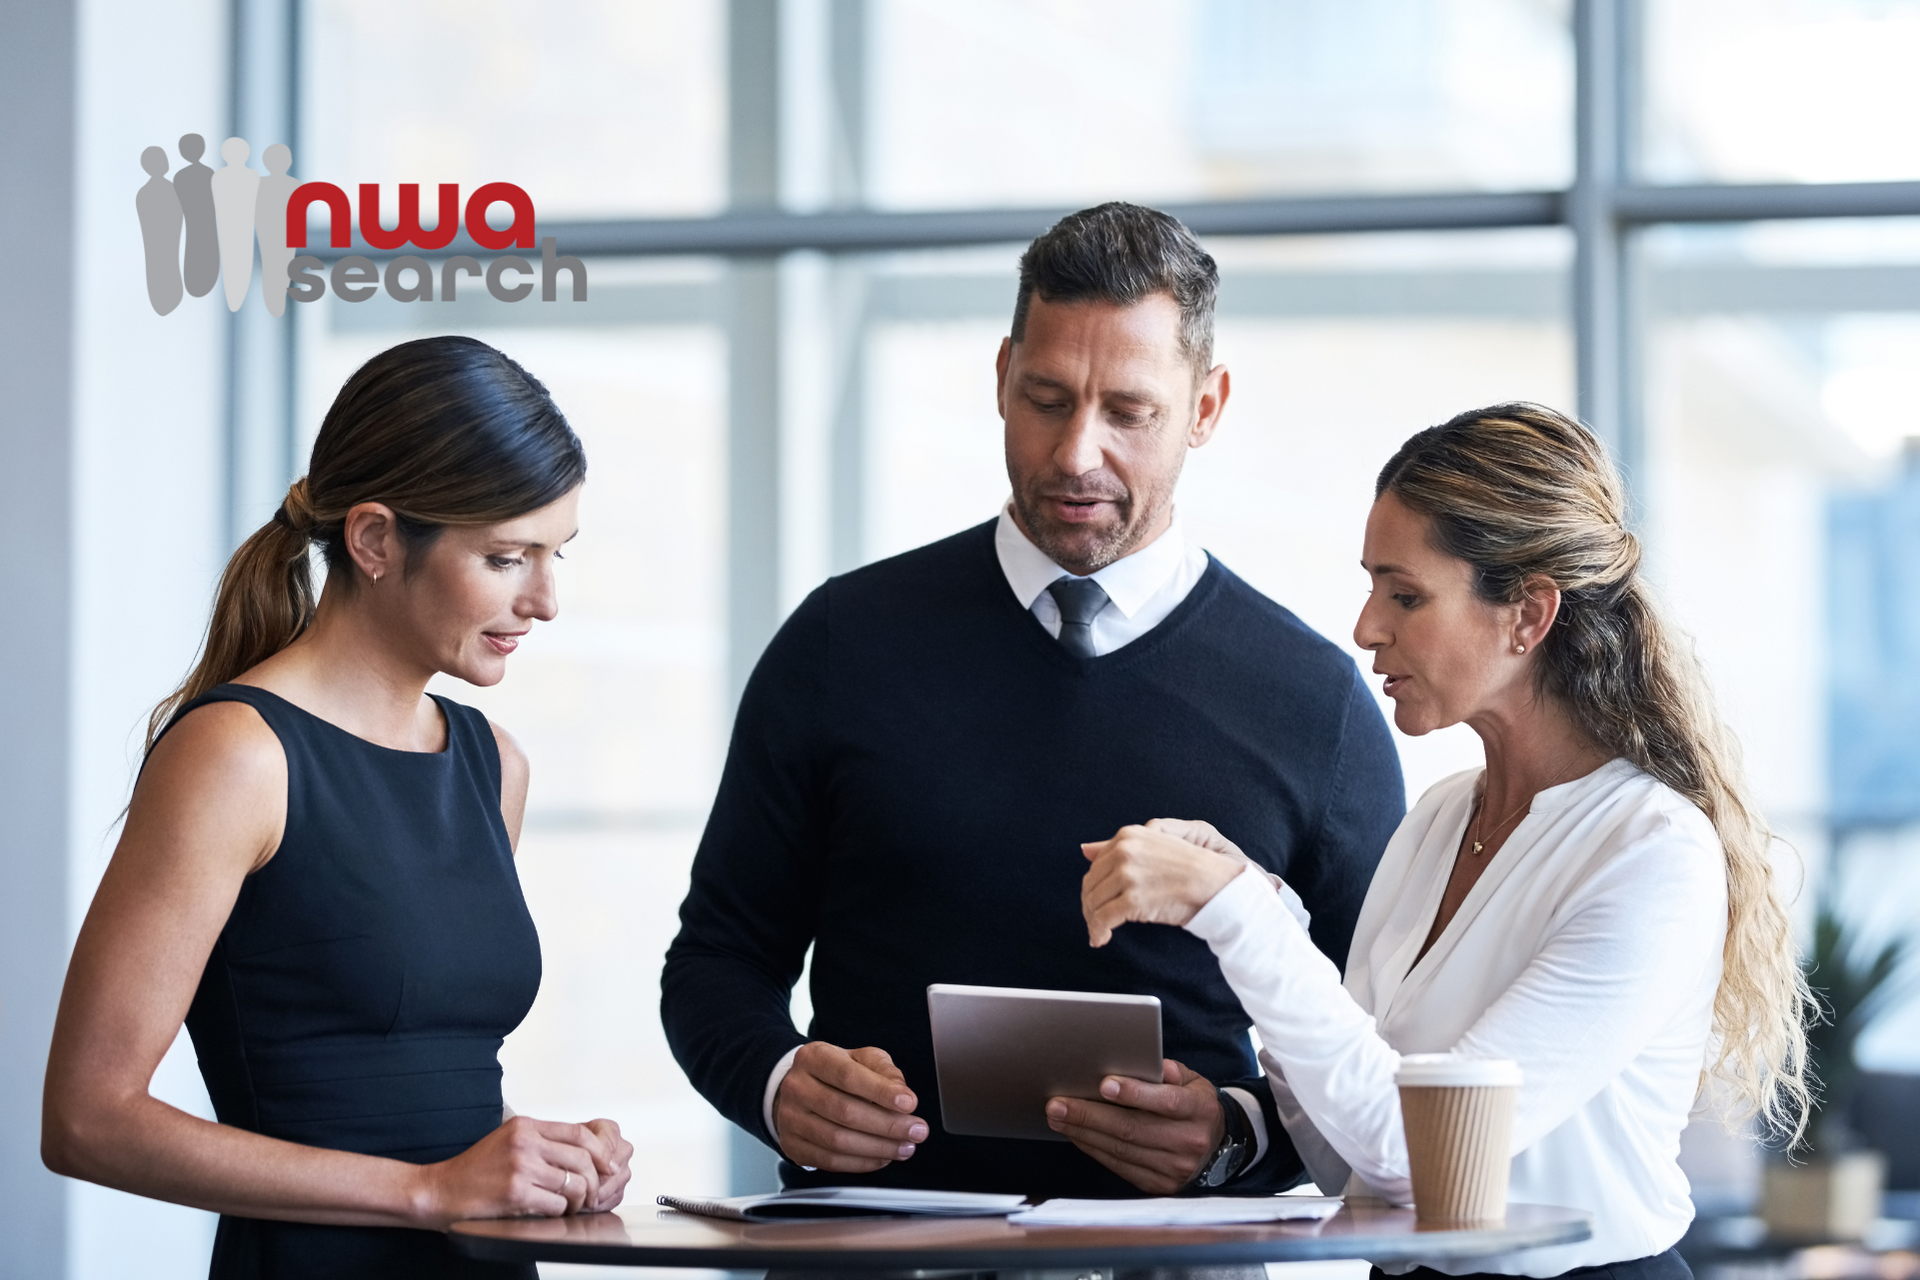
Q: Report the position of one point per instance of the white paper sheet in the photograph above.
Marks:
(1196, 1211)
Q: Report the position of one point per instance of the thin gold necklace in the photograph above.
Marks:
(1480, 807)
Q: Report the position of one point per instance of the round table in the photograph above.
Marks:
(648, 1237)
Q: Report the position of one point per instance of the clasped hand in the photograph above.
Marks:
(1162, 873)
(529, 1168)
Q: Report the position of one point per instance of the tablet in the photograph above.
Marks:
(1000, 1052)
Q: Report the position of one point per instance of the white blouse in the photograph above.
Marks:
(1589, 952)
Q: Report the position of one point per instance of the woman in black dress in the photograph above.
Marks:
(316, 873)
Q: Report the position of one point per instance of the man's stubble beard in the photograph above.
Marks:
(1082, 551)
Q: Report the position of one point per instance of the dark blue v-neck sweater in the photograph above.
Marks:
(915, 765)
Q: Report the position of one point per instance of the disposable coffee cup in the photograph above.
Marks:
(1458, 1113)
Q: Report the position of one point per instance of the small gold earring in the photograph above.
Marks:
(1519, 648)
(376, 577)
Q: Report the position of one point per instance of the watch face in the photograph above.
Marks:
(1217, 1171)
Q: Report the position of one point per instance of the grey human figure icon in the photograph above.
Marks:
(158, 205)
(194, 182)
(235, 188)
(270, 225)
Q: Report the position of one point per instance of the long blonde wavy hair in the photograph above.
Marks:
(1519, 491)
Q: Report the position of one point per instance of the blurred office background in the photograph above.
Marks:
(758, 421)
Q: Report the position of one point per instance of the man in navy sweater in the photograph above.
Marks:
(928, 741)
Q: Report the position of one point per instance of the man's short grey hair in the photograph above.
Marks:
(1120, 253)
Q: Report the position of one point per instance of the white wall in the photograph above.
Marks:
(148, 406)
(37, 68)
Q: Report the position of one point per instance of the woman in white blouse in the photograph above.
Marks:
(1597, 904)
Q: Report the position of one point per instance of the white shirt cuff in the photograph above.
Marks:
(1291, 901)
(1224, 908)
(774, 1078)
(1256, 1120)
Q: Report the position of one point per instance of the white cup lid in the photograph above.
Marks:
(1456, 1070)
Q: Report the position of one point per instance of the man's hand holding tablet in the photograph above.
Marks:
(1156, 1136)
(848, 1112)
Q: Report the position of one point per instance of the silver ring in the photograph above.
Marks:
(568, 1182)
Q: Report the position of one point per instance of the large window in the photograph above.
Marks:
(1006, 103)
(603, 109)
(840, 394)
(1781, 90)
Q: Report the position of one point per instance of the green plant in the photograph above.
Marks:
(1852, 984)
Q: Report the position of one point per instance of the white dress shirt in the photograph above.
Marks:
(1589, 952)
(1142, 589)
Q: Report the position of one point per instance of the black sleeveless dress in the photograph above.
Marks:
(359, 993)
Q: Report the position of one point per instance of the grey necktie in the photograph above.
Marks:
(1080, 601)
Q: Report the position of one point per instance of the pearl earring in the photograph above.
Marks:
(1519, 648)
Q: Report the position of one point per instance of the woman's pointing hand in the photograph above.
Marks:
(1161, 873)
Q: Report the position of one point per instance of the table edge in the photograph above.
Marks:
(1438, 1245)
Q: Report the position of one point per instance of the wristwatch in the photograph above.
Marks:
(1236, 1148)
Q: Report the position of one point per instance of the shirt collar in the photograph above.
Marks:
(1130, 582)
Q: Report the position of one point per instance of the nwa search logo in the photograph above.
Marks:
(201, 224)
